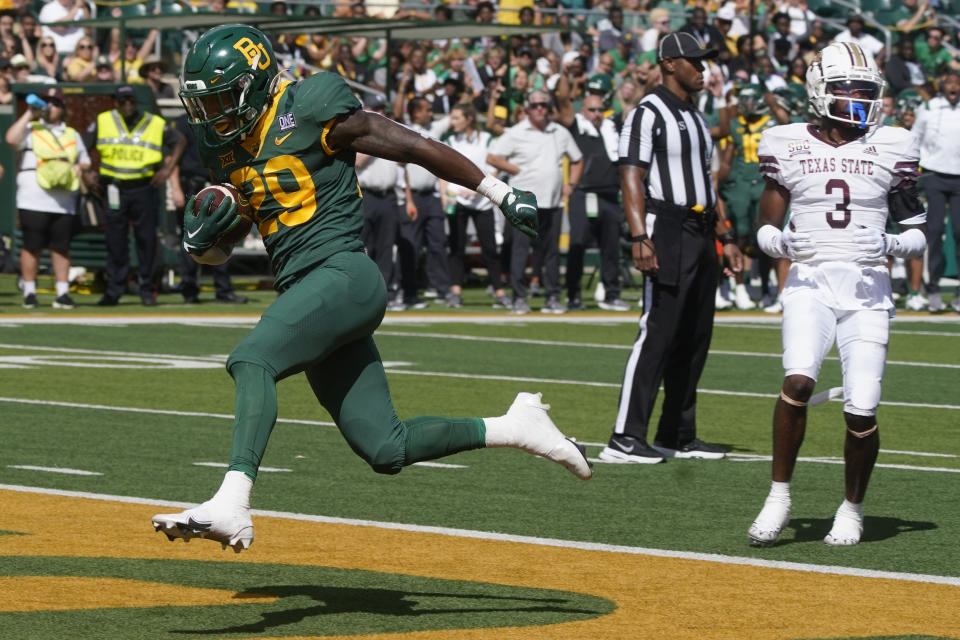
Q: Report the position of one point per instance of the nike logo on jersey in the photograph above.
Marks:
(190, 235)
(279, 139)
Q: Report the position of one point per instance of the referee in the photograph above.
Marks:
(668, 200)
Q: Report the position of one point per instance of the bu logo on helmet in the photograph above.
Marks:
(255, 53)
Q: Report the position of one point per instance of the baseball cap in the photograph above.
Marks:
(54, 93)
(525, 51)
(625, 38)
(726, 12)
(600, 83)
(19, 60)
(103, 60)
(374, 101)
(856, 18)
(124, 91)
(680, 44)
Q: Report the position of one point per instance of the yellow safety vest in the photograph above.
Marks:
(56, 156)
(129, 155)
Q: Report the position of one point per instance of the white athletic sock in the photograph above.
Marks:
(851, 509)
(29, 286)
(499, 432)
(780, 490)
(63, 288)
(236, 488)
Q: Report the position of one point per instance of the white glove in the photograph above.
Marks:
(797, 245)
(874, 245)
(785, 244)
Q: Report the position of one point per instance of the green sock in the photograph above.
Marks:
(430, 437)
(256, 413)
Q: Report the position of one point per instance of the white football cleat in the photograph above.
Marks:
(916, 302)
(527, 426)
(742, 299)
(230, 525)
(770, 522)
(847, 529)
(776, 307)
(720, 302)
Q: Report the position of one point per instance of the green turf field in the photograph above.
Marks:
(142, 405)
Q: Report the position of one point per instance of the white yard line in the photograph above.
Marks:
(64, 470)
(531, 540)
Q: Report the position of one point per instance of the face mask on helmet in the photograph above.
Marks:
(227, 82)
(845, 86)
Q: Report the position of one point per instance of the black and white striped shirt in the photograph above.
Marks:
(670, 139)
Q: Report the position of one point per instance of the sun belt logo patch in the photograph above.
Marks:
(255, 53)
(287, 121)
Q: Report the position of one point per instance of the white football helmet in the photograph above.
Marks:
(843, 72)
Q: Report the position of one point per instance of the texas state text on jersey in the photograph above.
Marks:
(836, 189)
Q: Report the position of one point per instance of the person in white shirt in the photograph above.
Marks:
(463, 205)
(841, 179)
(854, 33)
(532, 153)
(938, 128)
(52, 158)
(54, 11)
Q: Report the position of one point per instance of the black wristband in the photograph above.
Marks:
(727, 238)
(639, 238)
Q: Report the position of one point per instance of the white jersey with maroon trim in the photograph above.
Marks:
(833, 191)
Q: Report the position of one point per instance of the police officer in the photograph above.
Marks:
(131, 146)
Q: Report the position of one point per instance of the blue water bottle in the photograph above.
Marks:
(36, 102)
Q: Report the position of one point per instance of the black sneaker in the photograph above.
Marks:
(30, 301)
(64, 302)
(575, 304)
(629, 450)
(232, 298)
(696, 448)
(107, 301)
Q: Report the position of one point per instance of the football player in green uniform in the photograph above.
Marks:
(740, 182)
(289, 148)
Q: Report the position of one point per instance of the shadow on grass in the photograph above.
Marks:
(389, 602)
(875, 528)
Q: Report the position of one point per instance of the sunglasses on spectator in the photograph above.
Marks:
(46, 44)
(535, 105)
(595, 109)
(84, 46)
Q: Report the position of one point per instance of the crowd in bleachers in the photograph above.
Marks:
(600, 48)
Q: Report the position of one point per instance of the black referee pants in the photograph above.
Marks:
(381, 215)
(672, 344)
(605, 227)
(942, 190)
(548, 242)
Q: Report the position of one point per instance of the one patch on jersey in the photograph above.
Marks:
(798, 148)
(287, 121)
(227, 159)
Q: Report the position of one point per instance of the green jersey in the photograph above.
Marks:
(304, 194)
(745, 136)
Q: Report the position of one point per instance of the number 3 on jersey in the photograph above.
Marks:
(280, 174)
(843, 208)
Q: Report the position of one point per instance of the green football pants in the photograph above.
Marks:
(742, 196)
(322, 326)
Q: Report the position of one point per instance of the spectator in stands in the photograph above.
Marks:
(659, 24)
(912, 14)
(855, 33)
(494, 65)
(818, 36)
(797, 73)
(105, 70)
(937, 127)
(465, 205)
(6, 95)
(30, 31)
(451, 95)
(706, 34)
(532, 153)
(932, 55)
(723, 21)
(902, 70)
(67, 38)
(346, 65)
(562, 42)
(52, 155)
(800, 17)
(23, 71)
(610, 29)
(417, 77)
(152, 71)
(782, 33)
(47, 59)
(128, 69)
(81, 67)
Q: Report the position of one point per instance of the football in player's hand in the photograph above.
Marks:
(240, 229)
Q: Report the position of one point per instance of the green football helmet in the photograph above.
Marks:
(793, 98)
(227, 81)
(908, 101)
(750, 101)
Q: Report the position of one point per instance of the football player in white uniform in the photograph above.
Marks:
(840, 178)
